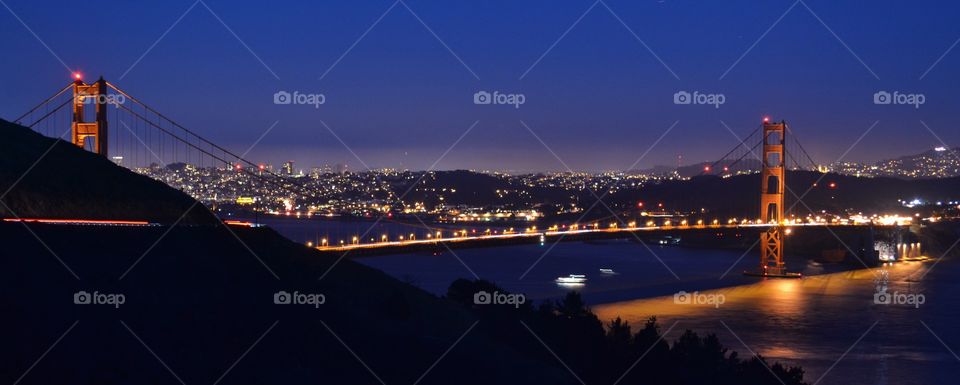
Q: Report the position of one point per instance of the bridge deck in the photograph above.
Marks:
(532, 236)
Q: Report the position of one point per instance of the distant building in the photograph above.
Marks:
(316, 172)
(288, 167)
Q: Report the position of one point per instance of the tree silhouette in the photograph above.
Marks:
(610, 353)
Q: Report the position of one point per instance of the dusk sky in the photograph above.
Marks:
(598, 78)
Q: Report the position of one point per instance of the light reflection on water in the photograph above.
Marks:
(813, 321)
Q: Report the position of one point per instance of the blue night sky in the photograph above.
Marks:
(597, 97)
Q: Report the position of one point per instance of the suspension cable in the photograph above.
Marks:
(49, 113)
(171, 121)
(803, 150)
(285, 186)
(17, 120)
(735, 148)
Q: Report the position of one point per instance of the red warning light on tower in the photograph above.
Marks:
(77, 75)
(766, 119)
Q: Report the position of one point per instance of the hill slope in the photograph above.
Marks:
(42, 177)
(199, 299)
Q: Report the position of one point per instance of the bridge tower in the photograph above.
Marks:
(82, 130)
(772, 189)
(771, 198)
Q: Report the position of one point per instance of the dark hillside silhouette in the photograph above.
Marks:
(67, 182)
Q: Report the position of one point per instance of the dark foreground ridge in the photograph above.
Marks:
(199, 303)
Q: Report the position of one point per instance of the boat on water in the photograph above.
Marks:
(572, 278)
(607, 271)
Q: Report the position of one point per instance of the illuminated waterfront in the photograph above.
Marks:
(813, 321)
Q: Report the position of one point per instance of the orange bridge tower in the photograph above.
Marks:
(85, 95)
(771, 198)
(772, 189)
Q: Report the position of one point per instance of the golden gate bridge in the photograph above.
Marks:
(109, 121)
